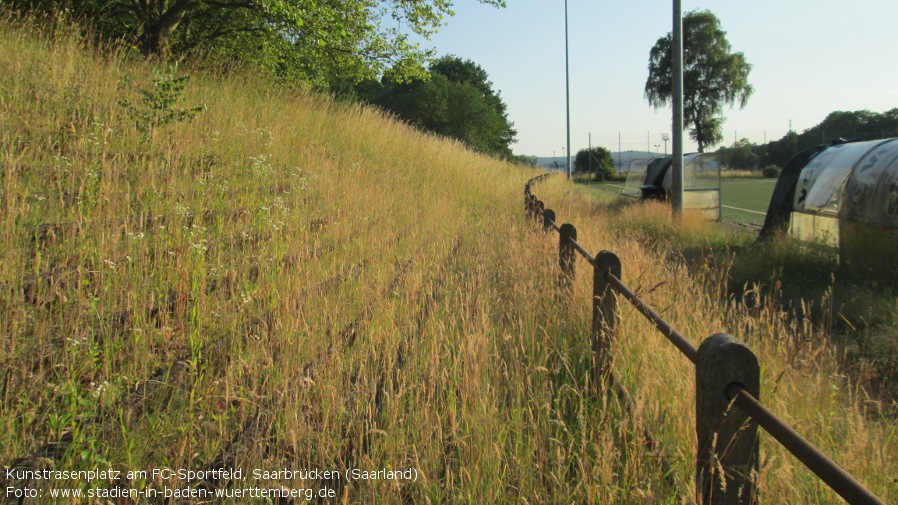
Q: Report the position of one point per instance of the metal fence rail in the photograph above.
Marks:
(727, 374)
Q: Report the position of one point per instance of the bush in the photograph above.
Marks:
(771, 172)
(606, 173)
(161, 103)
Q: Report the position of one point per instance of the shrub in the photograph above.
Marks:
(771, 172)
(160, 104)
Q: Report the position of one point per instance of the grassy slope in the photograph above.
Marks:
(289, 282)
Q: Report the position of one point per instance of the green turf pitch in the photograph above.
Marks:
(737, 193)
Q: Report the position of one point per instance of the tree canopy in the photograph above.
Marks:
(838, 125)
(742, 155)
(712, 76)
(456, 101)
(311, 39)
(597, 160)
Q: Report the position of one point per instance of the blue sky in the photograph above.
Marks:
(808, 58)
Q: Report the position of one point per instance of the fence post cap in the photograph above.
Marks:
(738, 360)
(724, 340)
(718, 340)
(606, 261)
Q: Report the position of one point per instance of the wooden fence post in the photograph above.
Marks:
(567, 258)
(604, 308)
(538, 208)
(727, 437)
(548, 219)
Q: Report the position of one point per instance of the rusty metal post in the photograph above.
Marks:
(604, 308)
(567, 258)
(727, 451)
(548, 219)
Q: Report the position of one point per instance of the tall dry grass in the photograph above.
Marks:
(286, 281)
(283, 281)
(804, 379)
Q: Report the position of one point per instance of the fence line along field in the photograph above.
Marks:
(745, 199)
(224, 273)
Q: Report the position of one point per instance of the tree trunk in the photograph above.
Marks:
(699, 132)
(159, 22)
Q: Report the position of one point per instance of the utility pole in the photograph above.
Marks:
(567, 80)
(590, 151)
(676, 187)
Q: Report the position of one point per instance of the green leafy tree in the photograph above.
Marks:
(713, 76)
(319, 40)
(838, 125)
(778, 152)
(496, 130)
(422, 103)
(456, 101)
(852, 125)
(743, 155)
(597, 160)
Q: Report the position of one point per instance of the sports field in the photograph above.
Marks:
(745, 200)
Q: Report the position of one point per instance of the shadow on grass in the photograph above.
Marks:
(857, 310)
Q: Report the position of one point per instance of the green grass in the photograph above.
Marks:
(603, 191)
(750, 194)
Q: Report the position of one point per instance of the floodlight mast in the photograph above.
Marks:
(567, 84)
(676, 186)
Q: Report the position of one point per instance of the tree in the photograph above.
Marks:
(712, 76)
(838, 125)
(849, 126)
(456, 101)
(779, 152)
(743, 155)
(317, 39)
(597, 160)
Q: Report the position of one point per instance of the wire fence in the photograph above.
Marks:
(727, 375)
